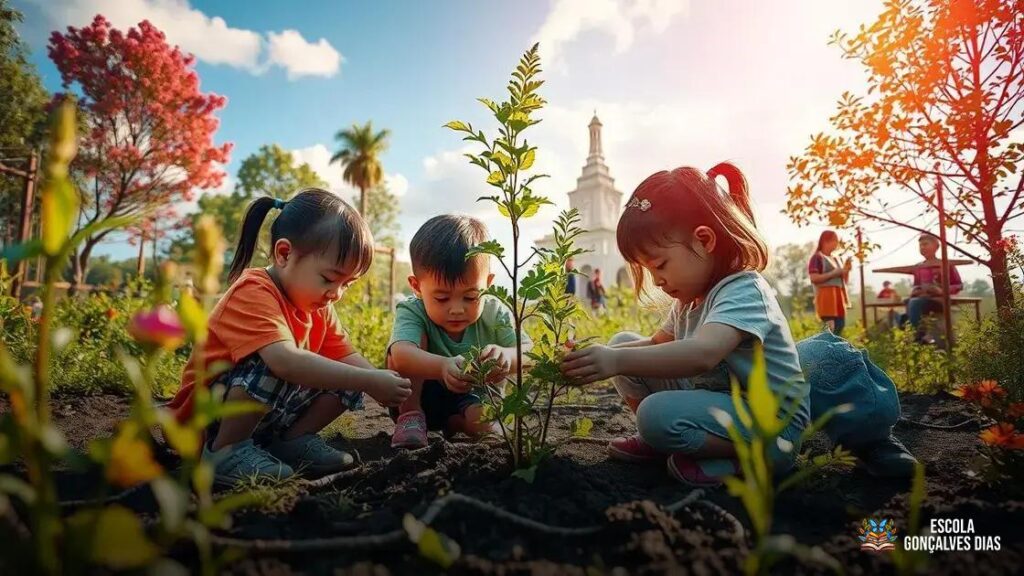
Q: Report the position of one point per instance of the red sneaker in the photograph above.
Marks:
(410, 431)
(632, 449)
(689, 470)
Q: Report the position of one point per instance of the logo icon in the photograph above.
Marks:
(877, 535)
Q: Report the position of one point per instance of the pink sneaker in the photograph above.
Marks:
(632, 449)
(701, 473)
(410, 431)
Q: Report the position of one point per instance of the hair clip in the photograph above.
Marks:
(279, 204)
(644, 205)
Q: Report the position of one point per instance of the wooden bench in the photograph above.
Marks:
(953, 300)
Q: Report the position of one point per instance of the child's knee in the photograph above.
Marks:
(661, 425)
(624, 338)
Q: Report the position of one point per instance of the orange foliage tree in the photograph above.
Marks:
(944, 101)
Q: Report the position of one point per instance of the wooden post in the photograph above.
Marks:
(947, 313)
(140, 266)
(863, 292)
(25, 227)
(392, 281)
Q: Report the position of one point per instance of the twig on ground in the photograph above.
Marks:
(433, 511)
(957, 426)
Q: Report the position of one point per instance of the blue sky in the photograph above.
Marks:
(674, 82)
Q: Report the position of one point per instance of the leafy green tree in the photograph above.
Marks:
(271, 171)
(788, 274)
(980, 288)
(359, 156)
(382, 216)
(22, 115)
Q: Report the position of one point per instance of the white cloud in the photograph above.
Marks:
(209, 38)
(299, 57)
(621, 19)
(318, 156)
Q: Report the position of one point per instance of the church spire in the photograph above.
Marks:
(596, 153)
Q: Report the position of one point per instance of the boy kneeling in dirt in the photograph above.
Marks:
(448, 317)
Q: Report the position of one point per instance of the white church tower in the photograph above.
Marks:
(599, 205)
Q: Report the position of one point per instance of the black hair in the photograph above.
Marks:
(314, 220)
(440, 246)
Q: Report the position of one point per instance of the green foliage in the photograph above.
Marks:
(910, 562)
(270, 171)
(97, 537)
(523, 412)
(368, 325)
(787, 273)
(273, 171)
(581, 427)
(991, 350)
(913, 367)
(22, 116)
(359, 156)
(763, 414)
(97, 325)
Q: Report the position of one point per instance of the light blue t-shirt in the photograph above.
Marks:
(746, 302)
(493, 327)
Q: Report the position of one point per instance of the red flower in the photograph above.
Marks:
(989, 391)
(984, 392)
(1003, 435)
(570, 344)
(1016, 410)
(158, 327)
(111, 313)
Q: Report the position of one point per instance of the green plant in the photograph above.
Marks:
(1002, 450)
(539, 293)
(112, 536)
(910, 562)
(913, 367)
(992, 349)
(368, 325)
(759, 414)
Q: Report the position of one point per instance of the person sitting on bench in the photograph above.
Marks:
(926, 296)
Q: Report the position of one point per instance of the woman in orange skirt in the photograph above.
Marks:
(829, 279)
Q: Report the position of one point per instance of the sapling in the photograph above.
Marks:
(523, 410)
(759, 414)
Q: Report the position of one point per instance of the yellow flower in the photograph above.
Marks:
(131, 459)
(209, 254)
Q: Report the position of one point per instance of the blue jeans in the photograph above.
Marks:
(674, 417)
(918, 307)
(838, 373)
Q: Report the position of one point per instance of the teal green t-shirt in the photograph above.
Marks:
(493, 327)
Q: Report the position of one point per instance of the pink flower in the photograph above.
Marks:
(159, 327)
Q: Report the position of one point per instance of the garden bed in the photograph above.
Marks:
(583, 512)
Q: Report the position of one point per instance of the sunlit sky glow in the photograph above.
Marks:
(674, 82)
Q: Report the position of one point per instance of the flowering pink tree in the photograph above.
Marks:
(148, 140)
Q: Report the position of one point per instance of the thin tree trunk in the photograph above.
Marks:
(80, 265)
(366, 217)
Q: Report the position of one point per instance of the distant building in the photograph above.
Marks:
(600, 205)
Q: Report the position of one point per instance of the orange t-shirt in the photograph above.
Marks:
(252, 314)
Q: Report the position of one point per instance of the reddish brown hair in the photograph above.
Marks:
(683, 199)
(825, 236)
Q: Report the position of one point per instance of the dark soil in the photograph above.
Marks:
(579, 487)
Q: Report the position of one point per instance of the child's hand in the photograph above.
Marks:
(503, 359)
(389, 388)
(591, 364)
(453, 377)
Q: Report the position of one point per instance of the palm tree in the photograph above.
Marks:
(359, 156)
